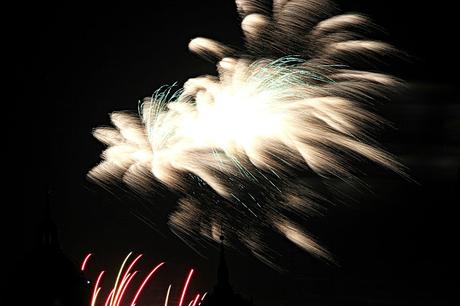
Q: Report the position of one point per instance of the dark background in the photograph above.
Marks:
(77, 61)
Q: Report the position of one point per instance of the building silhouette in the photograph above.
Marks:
(46, 276)
(223, 294)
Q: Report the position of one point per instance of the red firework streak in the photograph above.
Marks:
(115, 297)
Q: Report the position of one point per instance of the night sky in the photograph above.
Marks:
(75, 62)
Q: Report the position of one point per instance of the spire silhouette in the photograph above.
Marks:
(223, 294)
(47, 275)
(222, 270)
(47, 231)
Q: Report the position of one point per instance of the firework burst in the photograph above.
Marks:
(290, 101)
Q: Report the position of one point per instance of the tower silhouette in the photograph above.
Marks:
(46, 276)
(223, 293)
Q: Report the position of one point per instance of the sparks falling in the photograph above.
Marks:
(289, 100)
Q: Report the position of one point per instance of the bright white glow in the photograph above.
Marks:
(266, 114)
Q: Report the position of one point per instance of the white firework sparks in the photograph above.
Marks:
(290, 99)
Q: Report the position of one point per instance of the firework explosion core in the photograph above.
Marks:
(289, 100)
